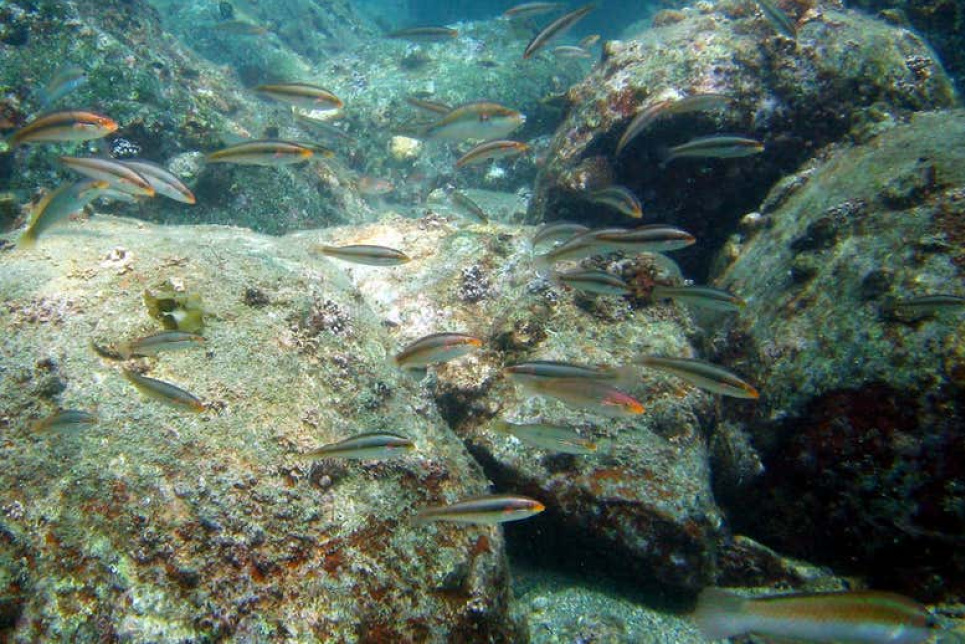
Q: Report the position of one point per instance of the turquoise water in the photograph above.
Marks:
(740, 367)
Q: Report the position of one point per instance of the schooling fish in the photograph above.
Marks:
(924, 305)
(436, 348)
(59, 204)
(530, 9)
(718, 146)
(589, 395)
(526, 373)
(555, 232)
(620, 199)
(365, 254)
(593, 281)
(484, 510)
(164, 392)
(370, 445)
(163, 181)
(571, 51)
(118, 175)
(66, 420)
(424, 34)
(865, 617)
(467, 208)
(552, 437)
(303, 95)
(429, 106)
(63, 126)
(703, 296)
(491, 150)
(152, 345)
(654, 238)
(778, 19)
(661, 109)
(64, 81)
(479, 120)
(557, 28)
(702, 374)
(264, 152)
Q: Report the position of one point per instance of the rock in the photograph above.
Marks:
(642, 506)
(163, 525)
(846, 72)
(860, 414)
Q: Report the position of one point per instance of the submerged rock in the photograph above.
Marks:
(860, 419)
(844, 73)
(165, 525)
(641, 505)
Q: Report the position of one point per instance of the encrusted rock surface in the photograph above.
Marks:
(158, 524)
(860, 418)
(642, 504)
(845, 72)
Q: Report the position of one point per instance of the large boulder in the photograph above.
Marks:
(860, 419)
(642, 505)
(159, 524)
(845, 72)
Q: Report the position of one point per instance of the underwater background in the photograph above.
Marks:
(421, 321)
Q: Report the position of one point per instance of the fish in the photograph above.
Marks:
(717, 146)
(240, 28)
(116, 174)
(483, 510)
(703, 296)
(588, 41)
(321, 127)
(552, 437)
(164, 392)
(653, 238)
(151, 345)
(650, 114)
(589, 395)
(570, 51)
(778, 19)
(436, 348)
(373, 186)
(64, 81)
(365, 254)
(66, 419)
(369, 445)
(467, 208)
(536, 370)
(593, 281)
(619, 198)
(530, 9)
(498, 149)
(704, 375)
(557, 28)
(70, 125)
(479, 120)
(924, 305)
(303, 95)
(429, 34)
(858, 617)
(428, 106)
(577, 247)
(59, 204)
(163, 181)
(264, 152)
(557, 231)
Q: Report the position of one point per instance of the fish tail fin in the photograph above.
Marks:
(421, 517)
(664, 155)
(500, 425)
(27, 240)
(544, 266)
(720, 614)
(624, 375)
